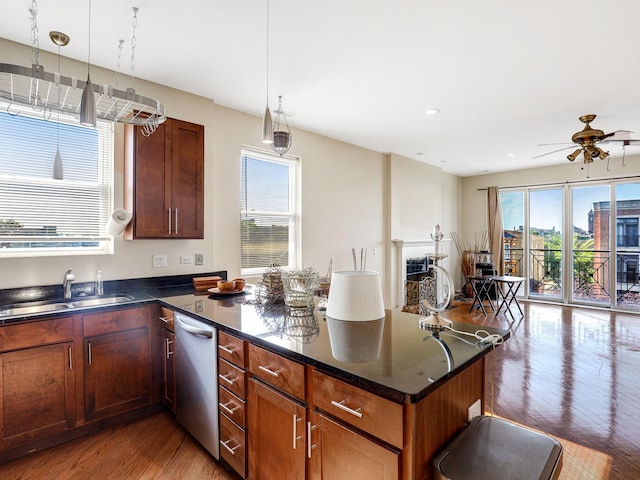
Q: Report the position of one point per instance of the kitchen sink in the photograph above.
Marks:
(50, 306)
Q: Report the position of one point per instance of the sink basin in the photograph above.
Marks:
(50, 306)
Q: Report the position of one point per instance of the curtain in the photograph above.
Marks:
(496, 235)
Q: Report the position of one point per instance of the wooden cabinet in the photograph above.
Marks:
(164, 181)
(117, 370)
(37, 381)
(232, 401)
(277, 439)
(339, 453)
(169, 369)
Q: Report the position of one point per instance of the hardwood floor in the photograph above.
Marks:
(572, 373)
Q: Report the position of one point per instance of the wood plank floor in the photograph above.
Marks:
(570, 372)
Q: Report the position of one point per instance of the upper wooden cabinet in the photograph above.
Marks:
(164, 181)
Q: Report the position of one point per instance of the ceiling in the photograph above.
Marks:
(506, 76)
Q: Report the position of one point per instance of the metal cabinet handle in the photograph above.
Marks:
(341, 405)
(70, 359)
(310, 446)
(176, 225)
(169, 221)
(230, 381)
(229, 449)
(169, 352)
(89, 353)
(227, 349)
(269, 371)
(225, 407)
(296, 420)
(164, 319)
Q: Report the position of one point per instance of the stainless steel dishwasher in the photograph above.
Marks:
(196, 380)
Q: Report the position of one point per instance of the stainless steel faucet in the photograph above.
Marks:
(66, 283)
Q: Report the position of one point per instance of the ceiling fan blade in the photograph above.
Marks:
(559, 143)
(555, 151)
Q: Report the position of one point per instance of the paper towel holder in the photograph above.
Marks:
(118, 221)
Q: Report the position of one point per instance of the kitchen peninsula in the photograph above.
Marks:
(385, 419)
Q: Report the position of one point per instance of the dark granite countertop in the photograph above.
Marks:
(411, 361)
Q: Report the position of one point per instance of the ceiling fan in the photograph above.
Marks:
(588, 138)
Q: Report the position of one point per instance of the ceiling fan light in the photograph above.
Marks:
(572, 156)
(602, 154)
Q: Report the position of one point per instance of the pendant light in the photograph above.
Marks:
(267, 125)
(61, 40)
(88, 101)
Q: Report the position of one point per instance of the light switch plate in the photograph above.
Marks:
(199, 259)
(159, 260)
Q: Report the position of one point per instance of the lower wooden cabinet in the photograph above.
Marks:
(117, 372)
(37, 388)
(338, 453)
(277, 439)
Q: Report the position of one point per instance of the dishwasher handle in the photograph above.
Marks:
(195, 330)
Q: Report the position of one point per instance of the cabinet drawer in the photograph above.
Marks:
(378, 416)
(24, 335)
(233, 445)
(232, 406)
(231, 348)
(278, 371)
(166, 316)
(231, 377)
(114, 321)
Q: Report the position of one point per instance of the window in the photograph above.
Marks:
(627, 232)
(627, 269)
(270, 222)
(40, 215)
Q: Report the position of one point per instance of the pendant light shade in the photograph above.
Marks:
(88, 105)
(58, 170)
(267, 127)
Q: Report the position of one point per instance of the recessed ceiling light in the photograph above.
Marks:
(511, 154)
(432, 111)
(419, 153)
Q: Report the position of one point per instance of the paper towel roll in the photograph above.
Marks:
(120, 218)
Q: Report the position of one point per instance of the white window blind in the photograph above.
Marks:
(40, 215)
(270, 232)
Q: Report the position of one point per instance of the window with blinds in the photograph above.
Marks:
(43, 215)
(269, 217)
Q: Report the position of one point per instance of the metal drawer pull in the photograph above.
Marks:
(225, 407)
(341, 405)
(296, 420)
(164, 319)
(310, 446)
(169, 352)
(169, 221)
(70, 359)
(230, 381)
(226, 349)
(89, 348)
(176, 230)
(229, 449)
(269, 371)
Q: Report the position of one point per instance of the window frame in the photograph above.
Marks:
(103, 188)
(294, 203)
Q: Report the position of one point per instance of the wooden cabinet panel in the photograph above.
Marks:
(276, 431)
(282, 373)
(232, 406)
(167, 318)
(376, 415)
(31, 334)
(115, 321)
(233, 445)
(231, 377)
(164, 181)
(37, 387)
(231, 349)
(169, 369)
(117, 372)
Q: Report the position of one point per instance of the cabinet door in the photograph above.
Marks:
(276, 432)
(187, 180)
(117, 372)
(37, 387)
(169, 369)
(148, 182)
(338, 453)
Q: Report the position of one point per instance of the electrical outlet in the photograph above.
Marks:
(199, 306)
(475, 410)
(186, 259)
(199, 259)
(159, 260)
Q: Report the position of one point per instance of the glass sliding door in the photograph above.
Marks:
(627, 244)
(545, 241)
(591, 266)
(513, 222)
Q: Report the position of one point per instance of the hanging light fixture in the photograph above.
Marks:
(281, 131)
(30, 87)
(267, 125)
(61, 40)
(88, 101)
